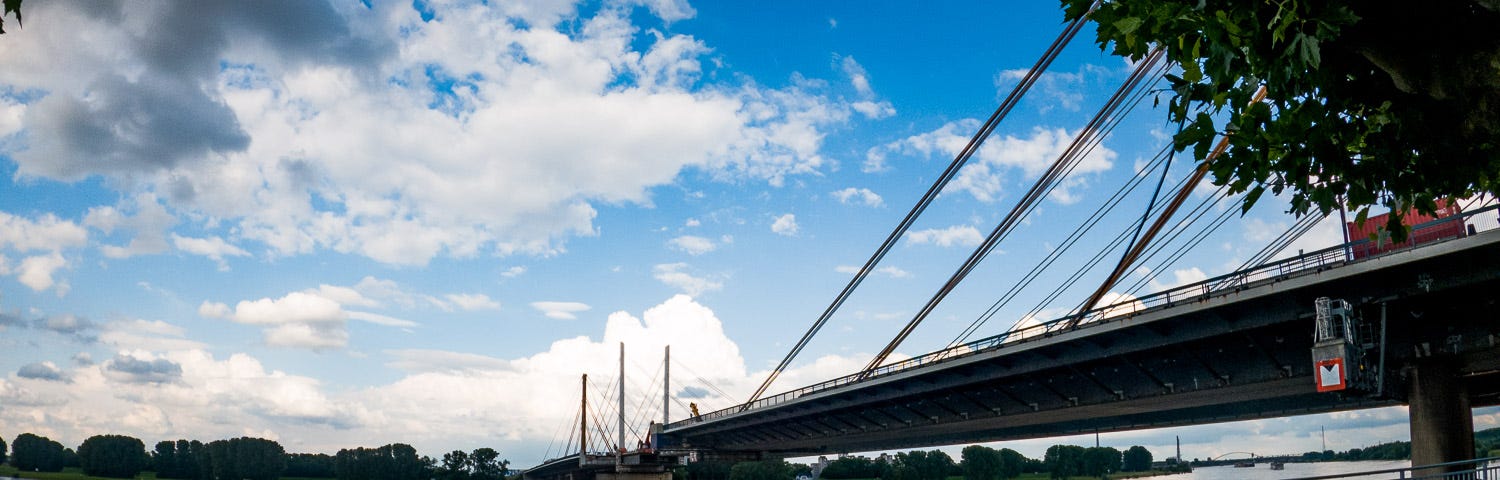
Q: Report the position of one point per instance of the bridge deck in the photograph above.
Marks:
(1233, 347)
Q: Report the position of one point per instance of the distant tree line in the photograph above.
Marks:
(481, 464)
(913, 465)
(770, 469)
(310, 465)
(777, 469)
(396, 461)
(977, 462)
(1486, 442)
(1400, 450)
(245, 458)
(1064, 461)
(181, 459)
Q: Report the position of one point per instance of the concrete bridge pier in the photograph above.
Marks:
(1442, 423)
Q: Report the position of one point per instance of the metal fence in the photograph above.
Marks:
(1475, 221)
(1487, 468)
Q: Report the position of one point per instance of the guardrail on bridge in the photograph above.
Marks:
(1221, 285)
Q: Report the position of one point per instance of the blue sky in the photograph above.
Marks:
(341, 225)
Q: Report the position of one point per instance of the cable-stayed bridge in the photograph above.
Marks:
(1354, 326)
(1240, 346)
(1229, 348)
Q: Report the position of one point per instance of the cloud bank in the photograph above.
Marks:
(386, 132)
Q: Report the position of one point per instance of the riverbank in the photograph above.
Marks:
(8, 472)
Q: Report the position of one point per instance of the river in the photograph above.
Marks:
(1262, 471)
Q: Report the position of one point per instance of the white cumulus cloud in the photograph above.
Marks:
(785, 225)
(44, 233)
(873, 109)
(889, 271)
(373, 132)
(36, 272)
(957, 235)
(143, 215)
(868, 106)
(297, 320)
(214, 248)
(473, 301)
(692, 244)
(677, 275)
(860, 196)
(561, 310)
(150, 335)
(317, 318)
(999, 160)
(379, 319)
(1179, 278)
(441, 401)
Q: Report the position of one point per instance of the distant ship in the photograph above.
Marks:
(1277, 465)
(1245, 464)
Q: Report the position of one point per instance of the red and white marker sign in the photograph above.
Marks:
(1330, 374)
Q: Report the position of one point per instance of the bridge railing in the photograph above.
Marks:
(1477, 469)
(1315, 261)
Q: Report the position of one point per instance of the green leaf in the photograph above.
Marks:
(1076, 8)
(1128, 25)
(1191, 72)
(1251, 196)
(1229, 25)
(1280, 23)
(1309, 51)
(1200, 151)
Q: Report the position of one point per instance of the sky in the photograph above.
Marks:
(340, 224)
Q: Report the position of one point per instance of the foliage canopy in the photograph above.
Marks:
(772, 469)
(1136, 459)
(33, 453)
(981, 463)
(113, 456)
(1368, 102)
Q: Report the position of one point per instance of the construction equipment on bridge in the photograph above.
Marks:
(1421, 228)
(1347, 351)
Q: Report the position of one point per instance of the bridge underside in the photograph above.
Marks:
(1218, 357)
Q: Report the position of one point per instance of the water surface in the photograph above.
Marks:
(1262, 471)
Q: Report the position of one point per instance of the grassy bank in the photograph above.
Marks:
(77, 474)
(66, 474)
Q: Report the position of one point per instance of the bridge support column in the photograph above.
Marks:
(1442, 423)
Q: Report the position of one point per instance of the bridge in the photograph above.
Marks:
(1344, 328)
(1235, 347)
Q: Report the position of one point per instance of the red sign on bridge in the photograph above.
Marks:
(1330, 374)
